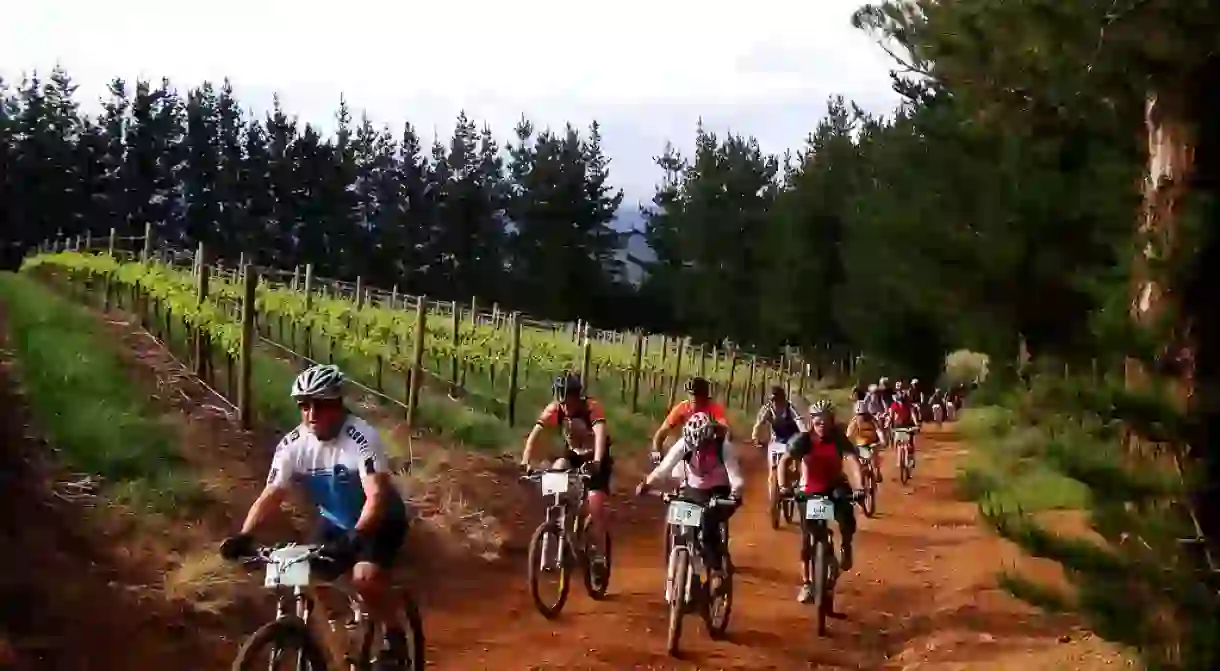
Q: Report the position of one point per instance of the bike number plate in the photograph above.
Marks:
(554, 483)
(865, 453)
(777, 449)
(819, 508)
(684, 513)
(287, 569)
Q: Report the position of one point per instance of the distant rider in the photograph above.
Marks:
(782, 419)
(699, 392)
(905, 415)
(864, 431)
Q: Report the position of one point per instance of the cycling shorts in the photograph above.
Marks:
(599, 481)
(381, 548)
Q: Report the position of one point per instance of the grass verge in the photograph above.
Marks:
(1127, 575)
(84, 403)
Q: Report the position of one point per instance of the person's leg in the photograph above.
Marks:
(599, 504)
(371, 577)
(805, 595)
(845, 515)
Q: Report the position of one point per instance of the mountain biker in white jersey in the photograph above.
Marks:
(339, 459)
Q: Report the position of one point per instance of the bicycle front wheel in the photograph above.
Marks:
(548, 557)
(821, 583)
(677, 604)
(285, 643)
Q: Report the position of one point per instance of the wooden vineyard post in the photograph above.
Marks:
(749, 392)
(296, 278)
(249, 282)
(394, 297)
(728, 387)
(88, 241)
(417, 359)
(201, 353)
(514, 368)
(359, 292)
(586, 356)
(457, 341)
(636, 364)
(800, 390)
(673, 384)
(308, 307)
(702, 361)
(147, 251)
(109, 285)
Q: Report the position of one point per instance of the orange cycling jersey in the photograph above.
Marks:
(554, 415)
(683, 411)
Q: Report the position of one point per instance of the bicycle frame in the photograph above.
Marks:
(306, 602)
(564, 509)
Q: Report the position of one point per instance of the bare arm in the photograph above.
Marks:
(667, 464)
(599, 441)
(732, 467)
(531, 444)
(377, 487)
(267, 503)
(781, 470)
(658, 438)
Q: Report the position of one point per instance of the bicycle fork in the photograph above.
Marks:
(671, 586)
(547, 563)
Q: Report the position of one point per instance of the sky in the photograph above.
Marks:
(646, 70)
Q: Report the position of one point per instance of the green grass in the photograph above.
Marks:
(1007, 466)
(1134, 585)
(84, 402)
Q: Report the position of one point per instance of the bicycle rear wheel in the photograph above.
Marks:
(596, 583)
(373, 633)
(869, 504)
(280, 640)
(904, 463)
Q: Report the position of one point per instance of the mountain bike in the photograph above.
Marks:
(561, 542)
(305, 635)
(938, 414)
(777, 504)
(902, 444)
(868, 479)
(688, 579)
(823, 563)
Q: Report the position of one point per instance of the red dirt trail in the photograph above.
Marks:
(922, 595)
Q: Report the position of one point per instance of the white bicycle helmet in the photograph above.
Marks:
(320, 381)
(699, 429)
(872, 388)
(820, 407)
(884, 382)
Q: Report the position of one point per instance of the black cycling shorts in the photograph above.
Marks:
(599, 481)
(380, 548)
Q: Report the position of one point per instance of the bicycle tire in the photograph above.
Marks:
(904, 468)
(869, 504)
(415, 636)
(821, 586)
(551, 529)
(598, 591)
(677, 606)
(288, 631)
(717, 629)
(775, 504)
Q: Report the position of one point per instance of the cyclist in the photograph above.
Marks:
(700, 400)
(583, 422)
(864, 431)
(904, 414)
(339, 459)
(828, 463)
(706, 463)
(886, 392)
(783, 420)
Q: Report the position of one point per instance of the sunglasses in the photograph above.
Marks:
(316, 403)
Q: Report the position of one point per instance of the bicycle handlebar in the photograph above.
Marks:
(535, 475)
(714, 502)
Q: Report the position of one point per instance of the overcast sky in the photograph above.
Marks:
(646, 69)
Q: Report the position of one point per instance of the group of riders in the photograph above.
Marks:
(339, 459)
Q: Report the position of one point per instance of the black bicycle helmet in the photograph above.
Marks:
(698, 386)
(567, 384)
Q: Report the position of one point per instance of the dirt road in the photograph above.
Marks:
(922, 595)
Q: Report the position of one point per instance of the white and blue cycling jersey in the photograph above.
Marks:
(330, 470)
